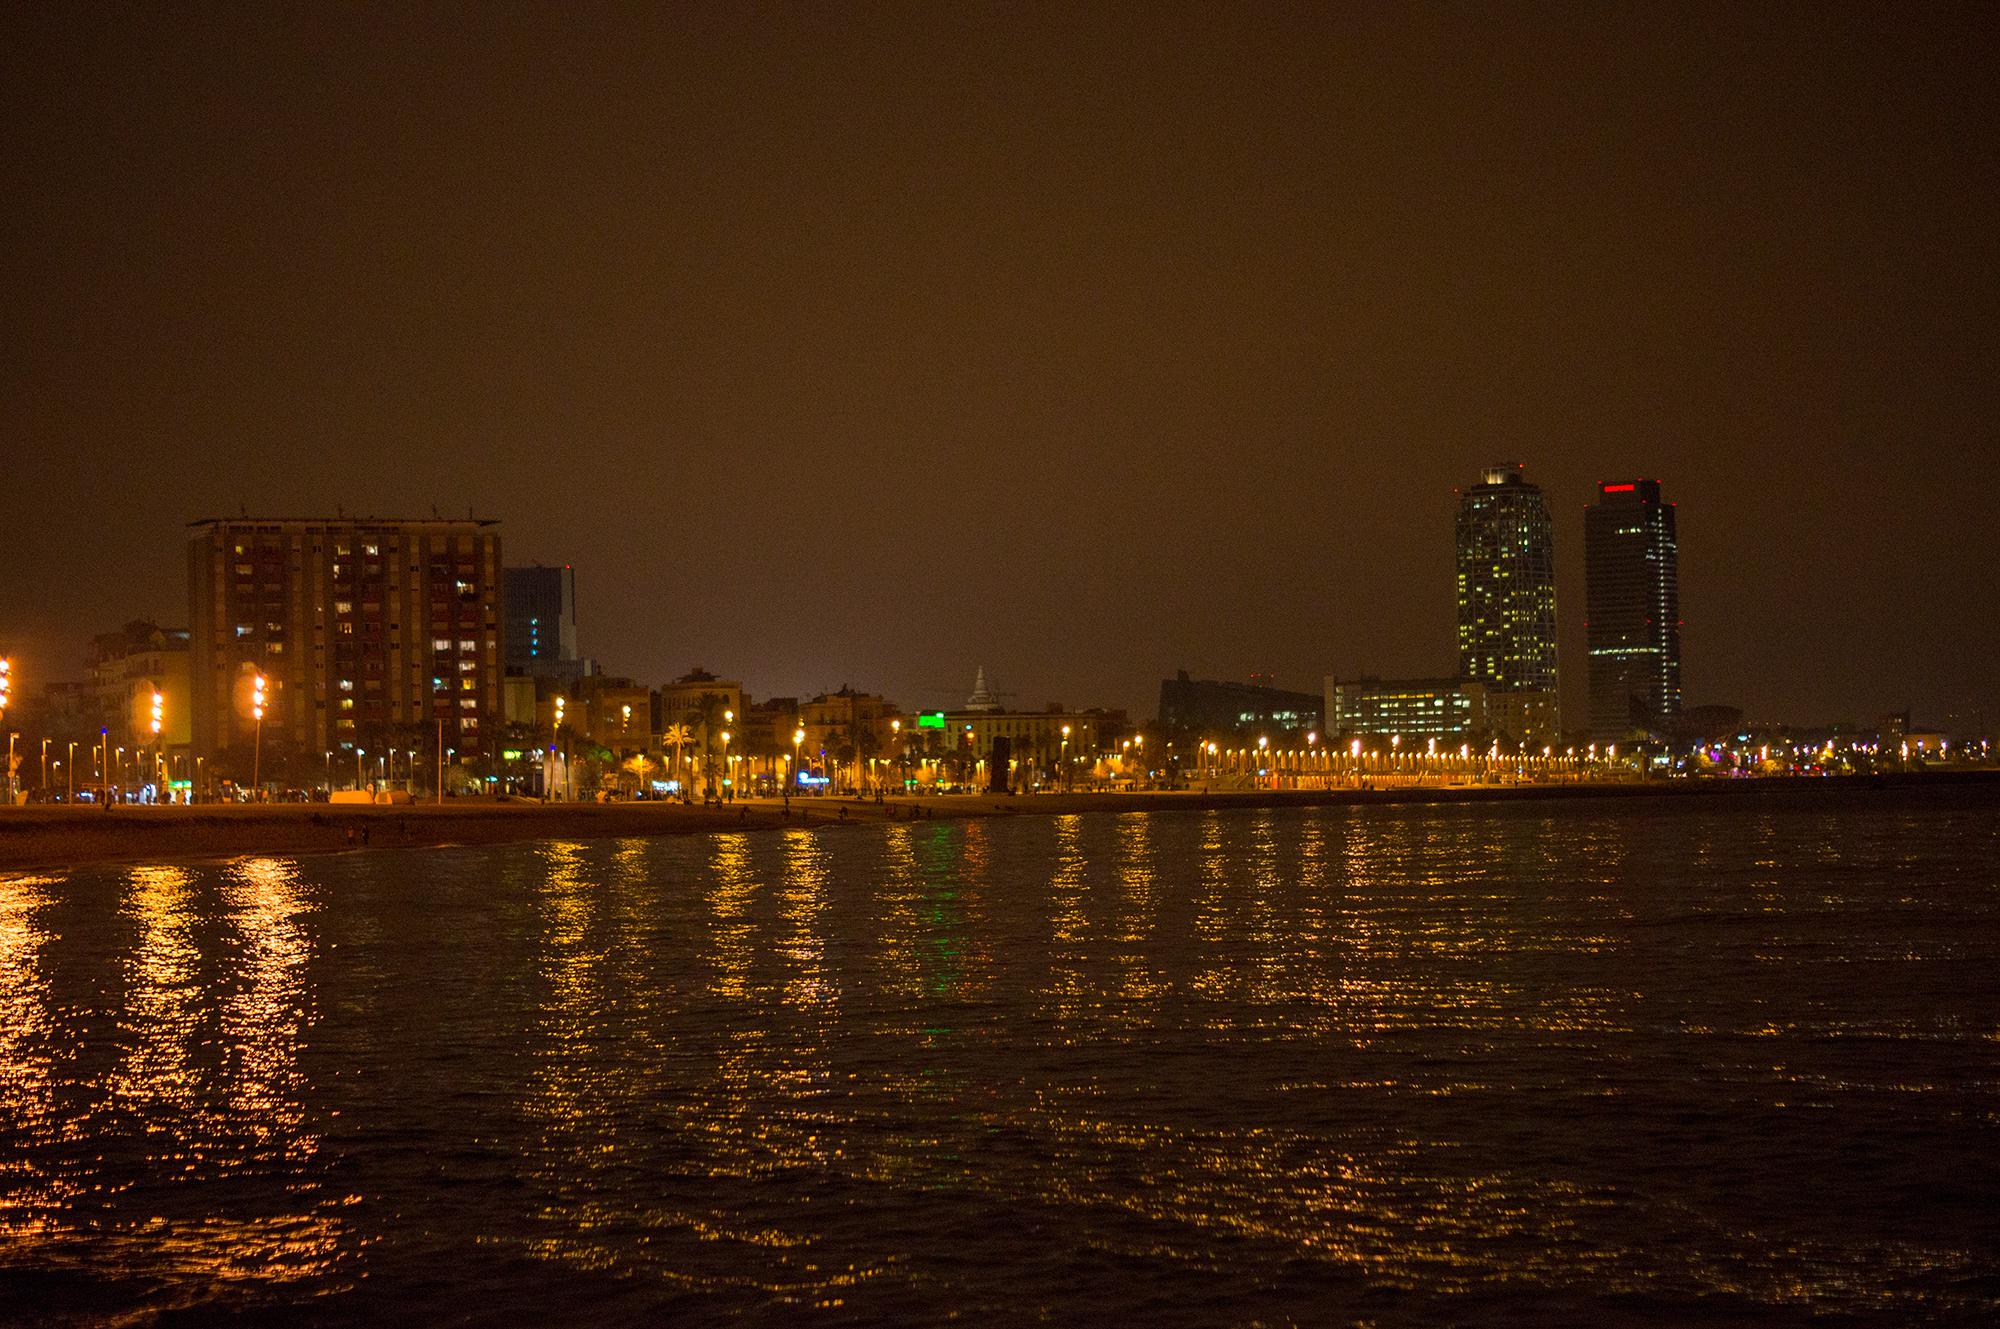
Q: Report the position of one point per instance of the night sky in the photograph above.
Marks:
(868, 344)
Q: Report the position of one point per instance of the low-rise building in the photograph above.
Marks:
(131, 666)
(1202, 708)
(1413, 707)
(847, 733)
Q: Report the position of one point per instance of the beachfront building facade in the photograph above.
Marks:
(367, 634)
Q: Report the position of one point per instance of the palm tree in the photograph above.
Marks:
(640, 765)
(679, 735)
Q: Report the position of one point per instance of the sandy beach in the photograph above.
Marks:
(47, 836)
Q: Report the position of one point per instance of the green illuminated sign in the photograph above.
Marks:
(931, 720)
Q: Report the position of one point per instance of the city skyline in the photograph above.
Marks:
(555, 585)
(1111, 371)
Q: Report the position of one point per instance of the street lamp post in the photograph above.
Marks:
(257, 751)
(6, 697)
(159, 744)
(798, 738)
(555, 738)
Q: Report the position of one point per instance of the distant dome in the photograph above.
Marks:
(982, 699)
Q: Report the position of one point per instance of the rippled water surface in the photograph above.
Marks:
(1650, 1061)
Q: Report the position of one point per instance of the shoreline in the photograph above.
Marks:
(40, 837)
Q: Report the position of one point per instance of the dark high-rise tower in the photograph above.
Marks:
(1633, 600)
(541, 623)
(1507, 601)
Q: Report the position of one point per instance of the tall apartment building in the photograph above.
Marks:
(1507, 601)
(1633, 602)
(369, 633)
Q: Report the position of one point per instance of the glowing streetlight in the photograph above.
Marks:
(257, 686)
(157, 725)
(6, 696)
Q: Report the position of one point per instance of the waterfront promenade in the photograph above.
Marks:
(43, 836)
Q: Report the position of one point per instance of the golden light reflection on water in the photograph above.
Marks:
(163, 1006)
(1141, 983)
(26, 1074)
(897, 920)
(802, 905)
(731, 887)
(566, 902)
(205, 1085)
(263, 1018)
(1063, 993)
(811, 1067)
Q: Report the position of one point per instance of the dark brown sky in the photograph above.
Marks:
(868, 344)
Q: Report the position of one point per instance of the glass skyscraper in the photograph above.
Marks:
(1507, 602)
(1633, 599)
